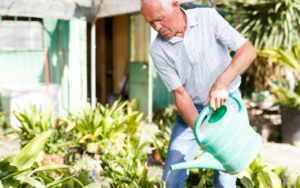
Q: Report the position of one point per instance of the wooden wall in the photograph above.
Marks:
(120, 50)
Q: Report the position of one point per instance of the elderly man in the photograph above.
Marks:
(191, 56)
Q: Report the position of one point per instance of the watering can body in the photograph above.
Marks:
(230, 144)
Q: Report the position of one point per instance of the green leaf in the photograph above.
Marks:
(202, 182)
(70, 126)
(2, 114)
(46, 179)
(246, 173)
(265, 179)
(22, 120)
(247, 182)
(57, 182)
(11, 183)
(5, 144)
(297, 185)
(13, 175)
(276, 182)
(134, 184)
(30, 152)
(30, 181)
(108, 176)
(93, 185)
(6, 166)
(50, 167)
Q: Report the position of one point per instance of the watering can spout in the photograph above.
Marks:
(206, 160)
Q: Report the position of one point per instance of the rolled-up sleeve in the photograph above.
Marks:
(225, 33)
(165, 69)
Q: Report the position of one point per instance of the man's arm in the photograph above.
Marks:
(241, 61)
(186, 106)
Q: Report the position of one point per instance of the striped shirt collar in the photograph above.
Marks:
(191, 21)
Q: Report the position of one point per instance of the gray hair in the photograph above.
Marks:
(166, 4)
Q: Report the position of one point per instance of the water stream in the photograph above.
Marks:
(165, 183)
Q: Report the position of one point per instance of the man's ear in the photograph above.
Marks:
(176, 5)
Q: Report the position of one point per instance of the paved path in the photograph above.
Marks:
(284, 155)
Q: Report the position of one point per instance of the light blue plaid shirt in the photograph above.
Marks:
(197, 60)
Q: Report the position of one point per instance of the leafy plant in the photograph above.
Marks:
(19, 170)
(288, 175)
(269, 23)
(259, 174)
(2, 114)
(283, 56)
(266, 24)
(105, 123)
(3, 125)
(165, 118)
(125, 168)
(202, 176)
(286, 98)
(161, 141)
(35, 122)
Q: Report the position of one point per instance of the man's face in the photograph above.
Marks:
(166, 22)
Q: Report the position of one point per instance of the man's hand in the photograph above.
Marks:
(217, 95)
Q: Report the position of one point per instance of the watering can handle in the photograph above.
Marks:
(206, 109)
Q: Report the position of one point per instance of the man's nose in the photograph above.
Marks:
(156, 26)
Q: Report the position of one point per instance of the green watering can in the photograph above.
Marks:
(230, 144)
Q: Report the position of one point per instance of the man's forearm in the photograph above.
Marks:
(241, 61)
(186, 106)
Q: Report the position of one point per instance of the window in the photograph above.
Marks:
(21, 33)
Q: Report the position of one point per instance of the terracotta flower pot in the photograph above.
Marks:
(156, 155)
(163, 165)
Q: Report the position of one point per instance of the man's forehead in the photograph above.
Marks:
(152, 10)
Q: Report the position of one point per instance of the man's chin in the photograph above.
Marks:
(168, 36)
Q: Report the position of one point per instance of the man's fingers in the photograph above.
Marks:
(218, 101)
(212, 103)
(225, 96)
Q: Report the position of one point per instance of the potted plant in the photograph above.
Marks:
(23, 170)
(285, 90)
(290, 113)
(165, 118)
(36, 121)
(125, 168)
(97, 126)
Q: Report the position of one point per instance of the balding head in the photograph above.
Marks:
(166, 4)
(164, 16)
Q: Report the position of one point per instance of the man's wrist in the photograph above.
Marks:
(223, 81)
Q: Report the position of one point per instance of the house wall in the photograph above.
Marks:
(145, 83)
(138, 57)
(67, 49)
(65, 42)
(161, 95)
